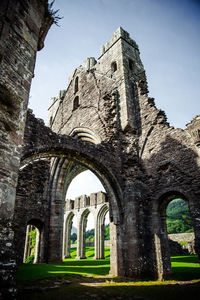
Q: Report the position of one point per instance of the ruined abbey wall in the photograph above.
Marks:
(104, 121)
(31, 205)
(23, 27)
(107, 103)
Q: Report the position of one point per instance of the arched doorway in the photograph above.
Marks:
(63, 168)
(162, 228)
(90, 210)
(33, 241)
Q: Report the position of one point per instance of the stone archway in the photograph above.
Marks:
(39, 243)
(97, 205)
(63, 177)
(63, 169)
(160, 231)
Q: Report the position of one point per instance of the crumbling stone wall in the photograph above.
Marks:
(106, 122)
(156, 163)
(32, 206)
(23, 26)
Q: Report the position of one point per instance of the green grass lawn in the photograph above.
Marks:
(184, 267)
(84, 267)
(87, 279)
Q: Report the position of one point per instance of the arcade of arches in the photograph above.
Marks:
(117, 132)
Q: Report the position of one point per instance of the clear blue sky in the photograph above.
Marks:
(168, 35)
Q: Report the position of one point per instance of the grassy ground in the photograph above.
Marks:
(88, 279)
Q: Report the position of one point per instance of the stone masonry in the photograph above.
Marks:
(106, 104)
(104, 121)
(23, 27)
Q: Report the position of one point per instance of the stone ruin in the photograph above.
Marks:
(97, 205)
(105, 122)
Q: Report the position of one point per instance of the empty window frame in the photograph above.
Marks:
(76, 103)
(114, 66)
(76, 85)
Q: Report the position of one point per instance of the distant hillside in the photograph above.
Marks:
(178, 217)
(178, 221)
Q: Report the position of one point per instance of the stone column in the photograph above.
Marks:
(161, 244)
(195, 216)
(37, 247)
(81, 227)
(99, 237)
(116, 259)
(27, 243)
(79, 239)
(66, 237)
(96, 239)
(55, 246)
(132, 235)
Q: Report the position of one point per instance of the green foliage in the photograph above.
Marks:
(73, 238)
(54, 13)
(30, 259)
(89, 235)
(32, 234)
(178, 217)
(107, 232)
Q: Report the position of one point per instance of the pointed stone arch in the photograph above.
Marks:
(99, 231)
(161, 243)
(68, 221)
(39, 226)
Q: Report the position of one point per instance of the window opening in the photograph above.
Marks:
(114, 67)
(76, 103)
(76, 85)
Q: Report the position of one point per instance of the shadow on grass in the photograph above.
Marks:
(81, 267)
(184, 268)
(84, 288)
(185, 259)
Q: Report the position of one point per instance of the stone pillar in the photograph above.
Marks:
(66, 237)
(81, 227)
(116, 261)
(27, 243)
(99, 232)
(96, 239)
(132, 235)
(23, 27)
(195, 216)
(55, 246)
(161, 244)
(37, 247)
